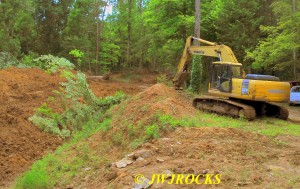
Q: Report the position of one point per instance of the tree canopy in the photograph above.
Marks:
(136, 34)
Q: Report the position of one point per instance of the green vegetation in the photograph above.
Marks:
(196, 74)
(79, 105)
(7, 60)
(152, 131)
(61, 166)
(52, 64)
(49, 63)
(78, 55)
(135, 35)
(163, 78)
(75, 158)
(268, 126)
(279, 50)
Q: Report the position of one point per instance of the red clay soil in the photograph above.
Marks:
(21, 143)
(109, 88)
(138, 82)
(244, 159)
(157, 98)
(21, 92)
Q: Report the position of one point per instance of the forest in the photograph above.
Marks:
(87, 99)
(102, 35)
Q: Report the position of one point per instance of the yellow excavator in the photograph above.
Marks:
(231, 91)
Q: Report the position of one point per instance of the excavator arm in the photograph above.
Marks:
(223, 52)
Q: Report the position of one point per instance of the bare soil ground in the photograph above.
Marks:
(21, 143)
(21, 92)
(244, 159)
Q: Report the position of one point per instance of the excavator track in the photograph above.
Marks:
(237, 108)
(225, 107)
(274, 110)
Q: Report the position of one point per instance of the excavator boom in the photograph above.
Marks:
(223, 52)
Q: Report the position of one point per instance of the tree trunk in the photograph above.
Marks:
(197, 67)
(129, 34)
(295, 50)
(295, 62)
(197, 18)
(140, 36)
(97, 49)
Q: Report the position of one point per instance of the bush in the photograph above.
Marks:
(152, 131)
(78, 55)
(28, 60)
(52, 63)
(79, 104)
(7, 60)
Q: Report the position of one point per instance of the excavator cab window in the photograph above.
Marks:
(222, 77)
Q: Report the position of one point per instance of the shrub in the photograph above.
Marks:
(7, 60)
(79, 104)
(78, 55)
(162, 78)
(52, 63)
(152, 131)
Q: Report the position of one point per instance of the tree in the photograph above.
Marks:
(196, 73)
(278, 51)
(16, 27)
(238, 25)
(169, 23)
(51, 19)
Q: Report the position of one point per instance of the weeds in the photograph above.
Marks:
(152, 131)
(117, 139)
(162, 78)
(136, 143)
(61, 166)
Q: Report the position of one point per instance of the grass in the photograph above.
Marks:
(67, 161)
(265, 126)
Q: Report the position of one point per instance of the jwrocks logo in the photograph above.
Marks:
(181, 179)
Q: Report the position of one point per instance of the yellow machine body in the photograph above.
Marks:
(269, 91)
(244, 95)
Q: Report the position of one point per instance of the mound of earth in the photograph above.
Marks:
(21, 92)
(158, 98)
(242, 158)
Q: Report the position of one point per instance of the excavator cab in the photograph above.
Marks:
(222, 74)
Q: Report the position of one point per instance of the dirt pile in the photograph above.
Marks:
(21, 92)
(155, 99)
(243, 159)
